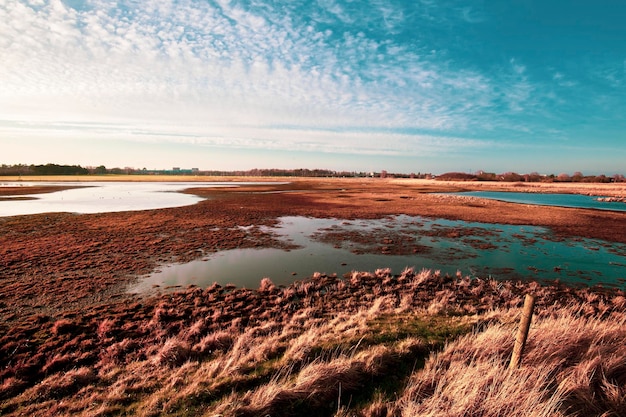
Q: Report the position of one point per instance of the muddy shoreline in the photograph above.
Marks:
(9, 192)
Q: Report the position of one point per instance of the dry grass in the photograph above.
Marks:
(573, 366)
(371, 345)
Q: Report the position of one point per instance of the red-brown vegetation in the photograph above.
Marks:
(72, 342)
(316, 336)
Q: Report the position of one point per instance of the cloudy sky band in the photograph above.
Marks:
(394, 77)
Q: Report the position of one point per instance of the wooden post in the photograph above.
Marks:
(522, 332)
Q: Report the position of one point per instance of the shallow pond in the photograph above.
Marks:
(103, 197)
(334, 246)
(560, 200)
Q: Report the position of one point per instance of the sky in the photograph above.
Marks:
(402, 86)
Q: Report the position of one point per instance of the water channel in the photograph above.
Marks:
(560, 200)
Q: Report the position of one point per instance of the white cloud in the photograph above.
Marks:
(518, 89)
(224, 75)
(471, 15)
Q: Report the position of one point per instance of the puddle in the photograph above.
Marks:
(333, 246)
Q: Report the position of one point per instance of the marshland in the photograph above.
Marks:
(376, 341)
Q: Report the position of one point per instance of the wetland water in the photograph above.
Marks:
(334, 246)
(560, 200)
(103, 197)
(338, 246)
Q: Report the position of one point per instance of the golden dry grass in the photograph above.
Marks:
(372, 345)
(573, 366)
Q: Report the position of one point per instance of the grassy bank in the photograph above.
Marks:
(372, 344)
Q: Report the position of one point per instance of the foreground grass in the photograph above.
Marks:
(368, 345)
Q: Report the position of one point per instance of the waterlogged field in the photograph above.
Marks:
(338, 329)
(334, 246)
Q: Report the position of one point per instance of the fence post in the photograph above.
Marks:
(522, 332)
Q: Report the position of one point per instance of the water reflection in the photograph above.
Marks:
(102, 197)
(337, 246)
(559, 200)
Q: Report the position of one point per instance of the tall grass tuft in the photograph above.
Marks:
(573, 366)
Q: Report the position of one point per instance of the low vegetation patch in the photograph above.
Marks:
(370, 344)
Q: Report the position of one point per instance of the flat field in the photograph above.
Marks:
(72, 341)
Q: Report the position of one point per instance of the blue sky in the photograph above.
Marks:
(404, 86)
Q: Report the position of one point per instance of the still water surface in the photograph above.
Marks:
(103, 197)
(498, 251)
(560, 200)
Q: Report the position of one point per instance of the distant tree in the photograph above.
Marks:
(563, 177)
(54, 169)
(19, 169)
(457, 176)
(101, 170)
(511, 177)
(486, 176)
(383, 174)
(532, 177)
(578, 176)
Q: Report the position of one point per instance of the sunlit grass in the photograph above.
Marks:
(370, 345)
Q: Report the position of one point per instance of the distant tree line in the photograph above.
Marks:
(532, 177)
(47, 169)
(304, 172)
(55, 169)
